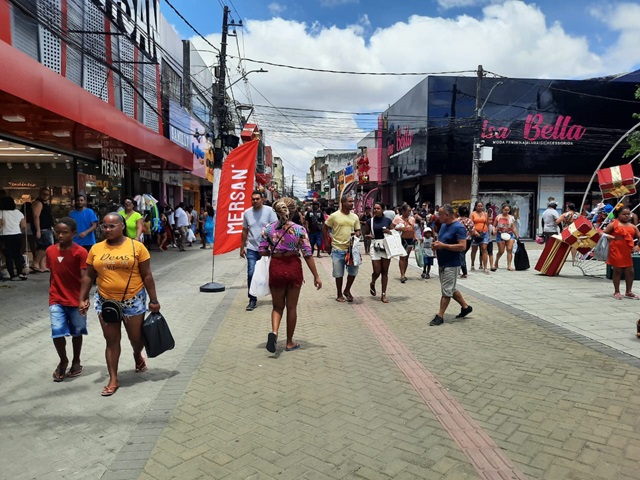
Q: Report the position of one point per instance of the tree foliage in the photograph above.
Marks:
(634, 138)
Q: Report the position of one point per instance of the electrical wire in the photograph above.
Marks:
(216, 50)
(63, 37)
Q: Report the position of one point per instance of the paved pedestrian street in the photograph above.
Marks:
(513, 391)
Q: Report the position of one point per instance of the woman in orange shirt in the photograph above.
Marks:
(480, 237)
(622, 234)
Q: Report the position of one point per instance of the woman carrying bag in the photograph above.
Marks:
(284, 241)
(122, 269)
(379, 259)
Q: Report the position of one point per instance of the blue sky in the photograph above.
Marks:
(573, 39)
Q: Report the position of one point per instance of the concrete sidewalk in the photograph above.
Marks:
(66, 430)
(376, 393)
(373, 392)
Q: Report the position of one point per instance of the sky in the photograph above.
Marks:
(573, 39)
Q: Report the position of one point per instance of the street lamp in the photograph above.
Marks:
(244, 76)
(475, 181)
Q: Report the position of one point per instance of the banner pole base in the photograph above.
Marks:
(212, 287)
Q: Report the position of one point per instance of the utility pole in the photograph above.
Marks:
(219, 100)
(292, 178)
(476, 143)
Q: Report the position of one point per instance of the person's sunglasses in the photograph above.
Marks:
(109, 226)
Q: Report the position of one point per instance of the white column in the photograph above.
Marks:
(438, 199)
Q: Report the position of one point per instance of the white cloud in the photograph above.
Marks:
(510, 38)
(276, 9)
(624, 19)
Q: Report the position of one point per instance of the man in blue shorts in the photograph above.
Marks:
(452, 239)
(67, 262)
(314, 220)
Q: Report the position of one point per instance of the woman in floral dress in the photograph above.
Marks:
(284, 241)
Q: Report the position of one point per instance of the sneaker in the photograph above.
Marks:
(252, 305)
(437, 320)
(465, 311)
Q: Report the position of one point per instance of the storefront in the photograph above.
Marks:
(536, 129)
(76, 124)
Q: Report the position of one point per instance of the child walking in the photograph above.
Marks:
(67, 262)
(427, 247)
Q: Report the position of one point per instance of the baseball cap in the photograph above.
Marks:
(427, 229)
(552, 204)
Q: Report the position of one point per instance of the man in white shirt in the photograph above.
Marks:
(182, 224)
(254, 220)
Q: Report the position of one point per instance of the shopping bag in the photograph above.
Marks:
(393, 245)
(419, 254)
(601, 250)
(520, 257)
(156, 335)
(260, 281)
(355, 259)
(191, 237)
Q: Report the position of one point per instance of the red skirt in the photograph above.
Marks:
(285, 271)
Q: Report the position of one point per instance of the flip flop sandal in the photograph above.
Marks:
(340, 299)
(75, 373)
(291, 349)
(58, 374)
(384, 299)
(272, 338)
(349, 297)
(142, 366)
(617, 296)
(108, 391)
(631, 296)
(372, 289)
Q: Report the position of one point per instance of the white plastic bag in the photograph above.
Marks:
(191, 237)
(393, 245)
(355, 252)
(260, 281)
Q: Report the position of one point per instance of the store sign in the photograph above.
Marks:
(199, 147)
(112, 163)
(536, 129)
(173, 178)
(149, 175)
(400, 142)
(138, 19)
(21, 184)
(179, 125)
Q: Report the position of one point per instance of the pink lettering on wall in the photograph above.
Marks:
(403, 140)
(535, 128)
(494, 132)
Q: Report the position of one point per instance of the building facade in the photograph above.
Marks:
(546, 137)
(82, 102)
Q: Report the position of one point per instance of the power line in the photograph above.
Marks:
(216, 50)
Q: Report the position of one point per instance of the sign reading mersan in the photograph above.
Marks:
(112, 163)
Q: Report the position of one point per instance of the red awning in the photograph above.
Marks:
(49, 102)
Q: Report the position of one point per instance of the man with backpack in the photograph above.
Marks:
(314, 220)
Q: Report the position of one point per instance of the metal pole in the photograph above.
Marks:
(220, 113)
(476, 141)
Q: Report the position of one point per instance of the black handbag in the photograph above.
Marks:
(156, 335)
(112, 310)
(521, 259)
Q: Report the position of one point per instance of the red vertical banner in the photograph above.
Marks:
(234, 196)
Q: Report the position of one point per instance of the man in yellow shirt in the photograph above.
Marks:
(343, 224)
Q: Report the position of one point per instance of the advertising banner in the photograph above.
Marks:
(199, 147)
(234, 196)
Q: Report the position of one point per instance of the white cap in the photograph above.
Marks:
(427, 229)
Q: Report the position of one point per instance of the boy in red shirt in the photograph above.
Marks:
(68, 264)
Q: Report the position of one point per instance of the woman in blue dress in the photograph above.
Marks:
(209, 218)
